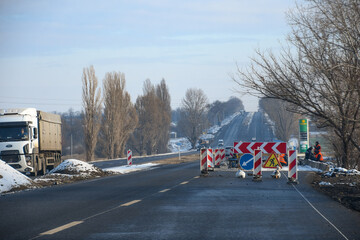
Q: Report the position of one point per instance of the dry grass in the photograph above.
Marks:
(183, 159)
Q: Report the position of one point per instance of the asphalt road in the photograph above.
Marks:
(173, 202)
(138, 160)
(244, 128)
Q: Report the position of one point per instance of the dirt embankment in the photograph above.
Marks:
(342, 188)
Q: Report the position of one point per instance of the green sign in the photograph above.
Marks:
(304, 135)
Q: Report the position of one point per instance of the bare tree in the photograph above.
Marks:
(162, 92)
(286, 122)
(119, 118)
(147, 108)
(320, 72)
(91, 99)
(193, 114)
(154, 112)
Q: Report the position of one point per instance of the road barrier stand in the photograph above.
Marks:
(257, 165)
(210, 160)
(217, 158)
(292, 173)
(222, 155)
(129, 157)
(203, 161)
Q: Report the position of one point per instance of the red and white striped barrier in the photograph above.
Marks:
(203, 160)
(292, 163)
(222, 154)
(257, 165)
(129, 157)
(217, 157)
(265, 147)
(210, 159)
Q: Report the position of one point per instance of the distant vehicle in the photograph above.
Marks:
(30, 140)
(229, 151)
(253, 139)
(221, 143)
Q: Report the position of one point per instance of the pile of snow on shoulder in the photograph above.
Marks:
(74, 166)
(132, 168)
(11, 178)
(226, 121)
(179, 143)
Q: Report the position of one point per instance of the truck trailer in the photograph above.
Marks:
(30, 140)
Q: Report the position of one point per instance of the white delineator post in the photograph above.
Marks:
(217, 157)
(292, 173)
(257, 165)
(203, 161)
(129, 157)
(210, 159)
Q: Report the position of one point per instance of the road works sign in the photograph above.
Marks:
(265, 147)
(247, 161)
(272, 162)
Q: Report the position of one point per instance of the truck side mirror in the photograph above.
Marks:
(35, 133)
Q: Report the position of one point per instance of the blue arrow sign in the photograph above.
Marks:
(247, 161)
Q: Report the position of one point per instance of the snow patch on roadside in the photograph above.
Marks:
(248, 119)
(131, 168)
(272, 124)
(179, 143)
(226, 121)
(10, 178)
(75, 166)
(327, 184)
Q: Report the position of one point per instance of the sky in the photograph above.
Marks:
(45, 45)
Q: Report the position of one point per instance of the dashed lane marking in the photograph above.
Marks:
(61, 228)
(72, 224)
(165, 190)
(130, 203)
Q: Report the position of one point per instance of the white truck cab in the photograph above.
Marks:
(20, 139)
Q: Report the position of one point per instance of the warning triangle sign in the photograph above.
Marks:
(272, 162)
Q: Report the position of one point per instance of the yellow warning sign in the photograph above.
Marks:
(272, 162)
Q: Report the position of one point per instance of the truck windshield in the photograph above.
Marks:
(14, 133)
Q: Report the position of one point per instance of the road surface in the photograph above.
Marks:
(138, 160)
(173, 202)
(245, 127)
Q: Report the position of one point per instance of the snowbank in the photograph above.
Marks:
(12, 179)
(214, 129)
(176, 143)
(132, 168)
(73, 166)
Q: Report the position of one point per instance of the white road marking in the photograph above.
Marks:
(61, 228)
(319, 212)
(196, 177)
(130, 203)
(72, 224)
(165, 190)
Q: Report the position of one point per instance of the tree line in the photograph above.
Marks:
(110, 123)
